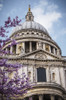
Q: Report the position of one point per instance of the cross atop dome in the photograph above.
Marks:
(29, 9)
(29, 16)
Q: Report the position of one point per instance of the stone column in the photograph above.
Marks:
(43, 46)
(11, 49)
(50, 49)
(30, 46)
(58, 52)
(40, 46)
(52, 97)
(23, 48)
(41, 97)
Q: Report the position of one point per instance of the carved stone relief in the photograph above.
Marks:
(40, 56)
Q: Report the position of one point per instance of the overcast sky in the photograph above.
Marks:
(50, 13)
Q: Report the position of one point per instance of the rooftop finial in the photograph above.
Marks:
(29, 16)
(29, 8)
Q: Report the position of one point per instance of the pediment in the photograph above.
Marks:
(40, 55)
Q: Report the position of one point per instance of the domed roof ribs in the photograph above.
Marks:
(29, 16)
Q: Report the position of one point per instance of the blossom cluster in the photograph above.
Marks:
(16, 86)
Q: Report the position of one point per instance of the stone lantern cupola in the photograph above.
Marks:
(29, 16)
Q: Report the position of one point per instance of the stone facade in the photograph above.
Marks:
(37, 51)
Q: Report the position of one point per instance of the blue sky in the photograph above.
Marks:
(50, 13)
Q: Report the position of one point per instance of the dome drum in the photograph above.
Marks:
(29, 45)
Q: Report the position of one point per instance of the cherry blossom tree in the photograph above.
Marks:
(16, 86)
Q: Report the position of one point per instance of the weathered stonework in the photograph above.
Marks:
(43, 52)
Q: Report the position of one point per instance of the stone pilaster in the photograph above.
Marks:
(41, 97)
(50, 49)
(30, 46)
(43, 46)
(48, 74)
(23, 48)
(58, 52)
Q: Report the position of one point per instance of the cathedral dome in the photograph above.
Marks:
(32, 36)
(30, 25)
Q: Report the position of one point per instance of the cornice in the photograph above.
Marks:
(49, 85)
(30, 53)
(30, 29)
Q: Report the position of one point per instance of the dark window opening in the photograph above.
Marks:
(35, 97)
(41, 75)
(52, 49)
(53, 76)
(55, 51)
(26, 47)
(46, 97)
(5, 49)
(8, 50)
(14, 49)
(32, 33)
(27, 33)
(22, 33)
(29, 17)
(37, 33)
(33, 46)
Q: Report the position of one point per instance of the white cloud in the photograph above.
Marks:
(1, 5)
(46, 14)
(12, 12)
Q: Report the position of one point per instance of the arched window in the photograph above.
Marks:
(14, 49)
(53, 76)
(8, 50)
(41, 75)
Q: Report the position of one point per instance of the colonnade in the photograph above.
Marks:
(44, 97)
(38, 45)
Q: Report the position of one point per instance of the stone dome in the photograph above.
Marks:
(30, 25)
(33, 36)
